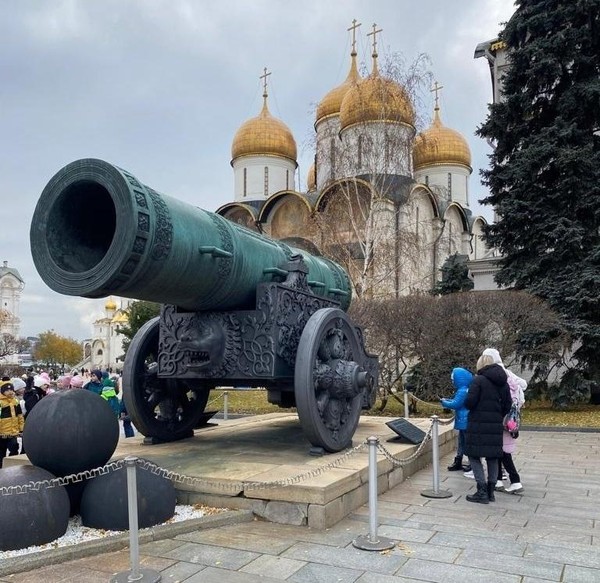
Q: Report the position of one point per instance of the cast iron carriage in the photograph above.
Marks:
(238, 309)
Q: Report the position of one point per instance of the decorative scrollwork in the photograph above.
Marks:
(163, 237)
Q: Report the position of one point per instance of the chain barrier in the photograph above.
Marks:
(397, 463)
(189, 480)
(438, 405)
(64, 481)
(231, 487)
(213, 400)
(309, 474)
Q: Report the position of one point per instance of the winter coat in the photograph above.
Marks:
(109, 394)
(488, 400)
(517, 387)
(11, 417)
(461, 379)
(95, 387)
(31, 397)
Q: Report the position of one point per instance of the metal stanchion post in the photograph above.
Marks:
(135, 573)
(372, 542)
(225, 404)
(406, 411)
(435, 459)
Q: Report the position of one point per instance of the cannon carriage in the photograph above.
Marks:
(238, 309)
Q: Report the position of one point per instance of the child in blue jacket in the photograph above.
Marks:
(461, 379)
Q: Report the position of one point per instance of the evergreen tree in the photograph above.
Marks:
(138, 313)
(455, 276)
(544, 176)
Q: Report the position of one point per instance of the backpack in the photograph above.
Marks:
(512, 421)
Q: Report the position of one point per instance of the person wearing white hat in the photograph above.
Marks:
(517, 387)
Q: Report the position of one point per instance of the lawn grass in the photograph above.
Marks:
(254, 402)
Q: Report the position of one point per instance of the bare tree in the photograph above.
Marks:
(431, 335)
(367, 218)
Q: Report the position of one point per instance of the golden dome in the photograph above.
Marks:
(120, 318)
(110, 305)
(332, 102)
(311, 178)
(440, 145)
(264, 135)
(376, 99)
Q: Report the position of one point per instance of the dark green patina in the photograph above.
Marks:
(97, 231)
(238, 309)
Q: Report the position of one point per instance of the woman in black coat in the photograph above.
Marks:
(488, 400)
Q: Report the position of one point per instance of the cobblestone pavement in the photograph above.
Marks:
(549, 533)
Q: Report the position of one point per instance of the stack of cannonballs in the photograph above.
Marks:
(69, 432)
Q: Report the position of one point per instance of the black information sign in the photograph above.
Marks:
(406, 430)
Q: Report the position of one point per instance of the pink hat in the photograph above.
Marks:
(64, 382)
(77, 382)
(45, 378)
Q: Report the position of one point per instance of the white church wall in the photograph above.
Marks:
(258, 177)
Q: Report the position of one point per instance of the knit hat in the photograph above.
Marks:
(64, 382)
(108, 382)
(18, 383)
(494, 354)
(77, 382)
(98, 373)
(6, 386)
(41, 380)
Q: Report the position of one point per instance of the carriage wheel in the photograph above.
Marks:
(329, 379)
(167, 409)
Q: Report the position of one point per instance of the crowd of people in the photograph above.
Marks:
(19, 395)
(487, 407)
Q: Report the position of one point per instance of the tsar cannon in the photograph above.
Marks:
(238, 309)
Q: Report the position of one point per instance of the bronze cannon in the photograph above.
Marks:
(238, 309)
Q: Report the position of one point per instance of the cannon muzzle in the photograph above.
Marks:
(97, 231)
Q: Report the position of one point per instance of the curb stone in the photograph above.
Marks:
(118, 542)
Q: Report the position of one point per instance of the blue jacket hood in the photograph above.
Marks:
(461, 377)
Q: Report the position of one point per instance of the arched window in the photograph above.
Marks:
(360, 150)
(332, 156)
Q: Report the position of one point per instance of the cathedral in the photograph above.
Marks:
(11, 287)
(387, 203)
(105, 349)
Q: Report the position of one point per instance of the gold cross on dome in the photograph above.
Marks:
(374, 35)
(436, 88)
(355, 25)
(264, 80)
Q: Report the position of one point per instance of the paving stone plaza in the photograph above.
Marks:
(549, 533)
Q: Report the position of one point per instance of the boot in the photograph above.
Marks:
(481, 496)
(491, 487)
(456, 465)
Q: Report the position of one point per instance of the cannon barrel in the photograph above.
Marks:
(97, 231)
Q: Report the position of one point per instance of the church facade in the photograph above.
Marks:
(105, 349)
(388, 204)
(11, 288)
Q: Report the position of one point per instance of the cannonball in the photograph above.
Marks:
(35, 517)
(104, 500)
(71, 431)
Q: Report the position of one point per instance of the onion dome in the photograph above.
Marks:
(110, 305)
(376, 99)
(120, 318)
(440, 145)
(332, 102)
(264, 135)
(311, 178)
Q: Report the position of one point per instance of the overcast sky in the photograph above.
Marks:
(160, 87)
